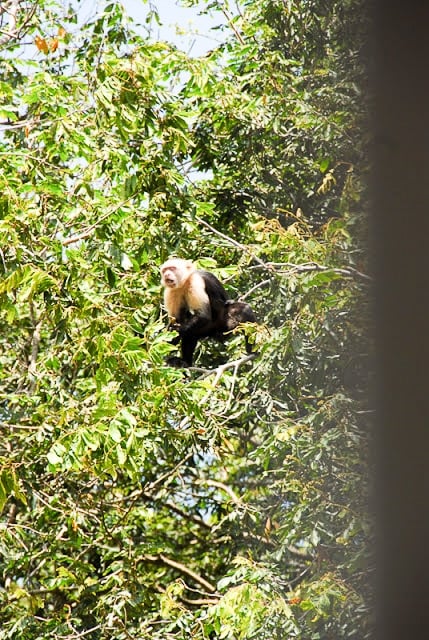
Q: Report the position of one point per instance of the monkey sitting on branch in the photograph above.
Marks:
(198, 307)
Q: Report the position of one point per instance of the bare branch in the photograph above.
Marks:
(16, 11)
(160, 557)
(233, 242)
(169, 473)
(223, 487)
(147, 490)
(88, 231)
(199, 602)
(273, 267)
(348, 272)
(257, 286)
(11, 8)
(232, 25)
(233, 364)
(223, 367)
(34, 348)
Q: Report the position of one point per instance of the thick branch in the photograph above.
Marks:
(34, 348)
(12, 9)
(223, 367)
(11, 32)
(220, 485)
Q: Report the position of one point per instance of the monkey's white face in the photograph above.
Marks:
(175, 272)
(169, 277)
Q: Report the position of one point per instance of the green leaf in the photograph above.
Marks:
(114, 432)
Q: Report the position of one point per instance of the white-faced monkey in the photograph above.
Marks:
(198, 307)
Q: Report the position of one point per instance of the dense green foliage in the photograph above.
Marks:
(229, 500)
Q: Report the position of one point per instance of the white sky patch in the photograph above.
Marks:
(182, 26)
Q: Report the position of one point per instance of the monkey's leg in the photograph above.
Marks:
(189, 342)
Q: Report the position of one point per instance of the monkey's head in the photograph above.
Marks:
(175, 272)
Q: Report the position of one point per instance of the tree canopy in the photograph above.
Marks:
(227, 500)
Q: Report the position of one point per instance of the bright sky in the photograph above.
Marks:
(176, 19)
(199, 38)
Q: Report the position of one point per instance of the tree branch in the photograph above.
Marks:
(220, 485)
(34, 347)
(146, 491)
(160, 557)
(348, 272)
(218, 374)
(232, 25)
(233, 242)
(257, 286)
(223, 367)
(88, 231)
(11, 32)
(12, 8)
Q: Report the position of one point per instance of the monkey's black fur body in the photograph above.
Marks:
(208, 313)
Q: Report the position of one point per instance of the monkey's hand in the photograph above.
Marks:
(173, 324)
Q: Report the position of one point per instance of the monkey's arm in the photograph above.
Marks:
(189, 320)
(192, 327)
(195, 322)
(197, 315)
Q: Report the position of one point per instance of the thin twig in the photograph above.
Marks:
(263, 283)
(146, 491)
(169, 473)
(232, 25)
(349, 272)
(233, 242)
(88, 231)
